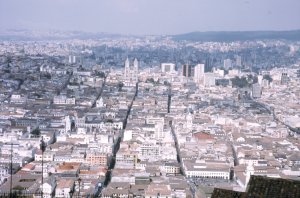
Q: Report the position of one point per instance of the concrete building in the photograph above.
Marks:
(167, 67)
(187, 70)
(199, 72)
(227, 63)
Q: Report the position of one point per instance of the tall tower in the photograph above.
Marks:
(127, 65)
(199, 72)
(131, 73)
(136, 64)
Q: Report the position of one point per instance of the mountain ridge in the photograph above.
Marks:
(227, 36)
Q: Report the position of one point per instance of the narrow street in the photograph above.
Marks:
(117, 145)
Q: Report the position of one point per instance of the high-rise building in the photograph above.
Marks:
(227, 63)
(167, 67)
(208, 65)
(131, 73)
(72, 59)
(199, 72)
(187, 70)
(238, 61)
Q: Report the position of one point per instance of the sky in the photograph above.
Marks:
(145, 17)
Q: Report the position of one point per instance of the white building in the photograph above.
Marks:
(227, 63)
(167, 67)
(63, 100)
(195, 168)
(199, 72)
(209, 79)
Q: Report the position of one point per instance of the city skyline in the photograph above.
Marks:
(145, 17)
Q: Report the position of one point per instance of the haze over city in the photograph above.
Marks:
(143, 17)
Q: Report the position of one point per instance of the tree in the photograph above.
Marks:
(110, 121)
(36, 132)
(240, 82)
(150, 80)
(268, 77)
(120, 85)
(100, 74)
(166, 83)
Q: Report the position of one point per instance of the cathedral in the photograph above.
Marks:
(131, 73)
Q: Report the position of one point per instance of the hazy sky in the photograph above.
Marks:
(150, 16)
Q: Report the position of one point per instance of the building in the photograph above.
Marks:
(202, 169)
(72, 59)
(199, 72)
(131, 73)
(64, 188)
(284, 78)
(172, 168)
(209, 80)
(167, 67)
(96, 158)
(238, 61)
(256, 90)
(227, 64)
(187, 70)
(63, 100)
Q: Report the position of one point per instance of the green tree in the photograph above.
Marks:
(100, 74)
(268, 77)
(120, 85)
(150, 80)
(36, 132)
(240, 82)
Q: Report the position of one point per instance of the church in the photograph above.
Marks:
(131, 73)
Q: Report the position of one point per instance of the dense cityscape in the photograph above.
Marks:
(147, 116)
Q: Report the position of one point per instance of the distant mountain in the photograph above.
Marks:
(293, 35)
(32, 35)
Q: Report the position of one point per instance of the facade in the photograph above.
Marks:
(131, 73)
(64, 187)
(209, 80)
(227, 63)
(194, 168)
(256, 90)
(170, 168)
(284, 78)
(167, 67)
(199, 72)
(63, 100)
(96, 158)
(187, 70)
(238, 61)
(126, 158)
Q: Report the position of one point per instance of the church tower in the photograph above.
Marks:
(131, 73)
